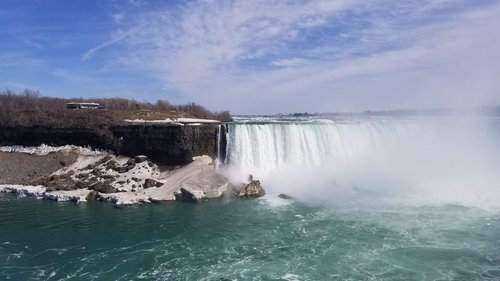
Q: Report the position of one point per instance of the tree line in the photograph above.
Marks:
(29, 108)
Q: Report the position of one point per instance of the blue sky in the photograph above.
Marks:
(257, 56)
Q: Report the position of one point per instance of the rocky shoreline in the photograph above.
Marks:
(75, 174)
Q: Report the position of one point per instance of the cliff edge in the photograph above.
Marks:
(165, 144)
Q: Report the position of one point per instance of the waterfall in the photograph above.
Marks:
(424, 159)
(273, 145)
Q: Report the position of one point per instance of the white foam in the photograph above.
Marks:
(291, 277)
(274, 201)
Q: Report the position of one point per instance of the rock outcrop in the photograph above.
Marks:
(167, 144)
(152, 183)
(285, 196)
(190, 195)
(104, 173)
(131, 181)
(198, 181)
(252, 190)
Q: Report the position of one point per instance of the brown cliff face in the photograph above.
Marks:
(34, 136)
(170, 145)
(164, 144)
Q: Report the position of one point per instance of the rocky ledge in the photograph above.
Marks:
(123, 181)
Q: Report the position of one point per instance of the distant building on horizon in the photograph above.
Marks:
(83, 105)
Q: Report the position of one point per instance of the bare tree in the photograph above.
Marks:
(29, 108)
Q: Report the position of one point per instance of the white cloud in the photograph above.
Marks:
(90, 53)
(289, 62)
(117, 37)
(118, 18)
(279, 56)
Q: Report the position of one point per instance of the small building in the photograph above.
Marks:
(83, 105)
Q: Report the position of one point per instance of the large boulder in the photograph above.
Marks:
(92, 196)
(102, 187)
(197, 181)
(285, 196)
(209, 186)
(57, 182)
(113, 165)
(152, 183)
(252, 190)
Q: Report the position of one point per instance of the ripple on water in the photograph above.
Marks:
(250, 240)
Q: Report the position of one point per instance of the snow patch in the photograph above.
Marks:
(46, 149)
(40, 192)
(176, 121)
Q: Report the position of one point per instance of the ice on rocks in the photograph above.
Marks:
(46, 149)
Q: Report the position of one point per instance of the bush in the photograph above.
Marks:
(30, 109)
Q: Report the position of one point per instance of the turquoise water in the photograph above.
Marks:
(262, 239)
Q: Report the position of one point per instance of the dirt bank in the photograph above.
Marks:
(23, 168)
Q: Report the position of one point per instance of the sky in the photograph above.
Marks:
(257, 56)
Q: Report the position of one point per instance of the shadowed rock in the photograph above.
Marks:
(287, 197)
(152, 183)
(93, 195)
(102, 187)
(140, 158)
(252, 190)
(190, 195)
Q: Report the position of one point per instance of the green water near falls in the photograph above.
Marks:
(264, 239)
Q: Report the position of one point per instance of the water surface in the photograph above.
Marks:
(263, 239)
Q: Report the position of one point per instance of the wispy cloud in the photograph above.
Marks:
(19, 60)
(269, 56)
(118, 18)
(116, 37)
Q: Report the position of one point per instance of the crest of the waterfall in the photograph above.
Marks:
(264, 147)
(424, 160)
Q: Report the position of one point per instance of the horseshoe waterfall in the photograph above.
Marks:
(347, 199)
(412, 161)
